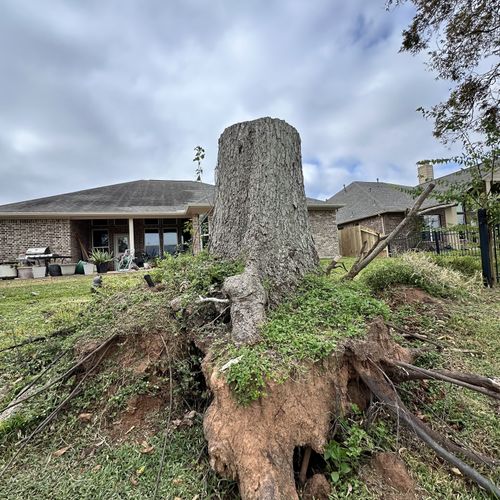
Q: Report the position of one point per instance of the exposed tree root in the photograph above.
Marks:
(483, 385)
(255, 444)
(380, 385)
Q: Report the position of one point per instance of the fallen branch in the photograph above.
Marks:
(387, 394)
(33, 340)
(466, 380)
(413, 335)
(54, 413)
(169, 417)
(66, 374)
(362, 262)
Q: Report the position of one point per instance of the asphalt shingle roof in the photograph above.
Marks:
(143, 196)
(368, 199)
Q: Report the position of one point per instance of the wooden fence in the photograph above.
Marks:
(351, 240)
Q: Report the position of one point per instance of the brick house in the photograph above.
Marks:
(147, 217)
(380, 206)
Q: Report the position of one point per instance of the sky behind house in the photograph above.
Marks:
(100, 92)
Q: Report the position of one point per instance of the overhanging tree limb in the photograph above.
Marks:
(383, 243)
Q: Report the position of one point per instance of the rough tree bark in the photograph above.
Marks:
(260, 216)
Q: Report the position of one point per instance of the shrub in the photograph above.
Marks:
(418, 270)
(465, 264)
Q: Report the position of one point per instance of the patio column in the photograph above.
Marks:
(131, 242)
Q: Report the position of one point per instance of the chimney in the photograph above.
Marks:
(425, 172)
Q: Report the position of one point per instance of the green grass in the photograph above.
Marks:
(29, 308)
(309, 326)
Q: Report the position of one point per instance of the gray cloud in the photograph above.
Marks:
(99, 92)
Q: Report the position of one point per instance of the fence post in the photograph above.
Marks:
(484, 243)
(436, 239)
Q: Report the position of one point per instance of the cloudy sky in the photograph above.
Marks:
(98, 92)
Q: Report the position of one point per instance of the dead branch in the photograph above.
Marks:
(212, 299)
(169, 417)
(335, 264)
(65, 375)
(42, 373)
(387, 394)
(423, 373)
(362, 262)
(57, 333)
(418, 336)
(54, 413)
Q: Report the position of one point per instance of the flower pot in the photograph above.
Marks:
(102, 267)
(39, 271)
(68, 269)
(88, 268)
(8, 271)
(25, 272)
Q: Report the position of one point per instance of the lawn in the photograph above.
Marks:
(30, 308)
(91, 465)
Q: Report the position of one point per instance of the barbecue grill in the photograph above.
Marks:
(41, 254)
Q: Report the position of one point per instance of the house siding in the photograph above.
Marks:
(17, 235)
(324, 232)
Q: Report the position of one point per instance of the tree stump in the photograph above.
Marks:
(260, 216)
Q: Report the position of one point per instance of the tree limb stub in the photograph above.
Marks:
(362, 262)
(385, 393)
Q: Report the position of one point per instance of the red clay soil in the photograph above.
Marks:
(254, 445)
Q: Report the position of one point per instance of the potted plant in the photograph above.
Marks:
(101, 259)
(8, 271)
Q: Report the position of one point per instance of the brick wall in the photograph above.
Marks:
(17, 235)
(324, 231)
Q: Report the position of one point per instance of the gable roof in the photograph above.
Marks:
(148, 198)
(369, 199)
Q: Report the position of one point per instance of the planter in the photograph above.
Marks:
(8, 271)
(88, 268)
(68, 269)
(102, 267)
(39, 271)
(25, 272)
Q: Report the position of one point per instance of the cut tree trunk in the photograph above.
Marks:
(260, 216)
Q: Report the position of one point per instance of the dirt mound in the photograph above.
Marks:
(143, 359)
(317, 488)
(404, 295)
(255, 444)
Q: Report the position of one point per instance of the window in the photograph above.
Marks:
(100, 239)
(152, 243)
(170, 241)
(432, 221)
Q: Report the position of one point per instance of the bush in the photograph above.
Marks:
(418, 270)
(466, 264)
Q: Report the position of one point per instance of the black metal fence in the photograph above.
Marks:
(441, 241)
(481, 242)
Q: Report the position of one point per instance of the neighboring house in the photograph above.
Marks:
(380, 206)
(145, 216)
